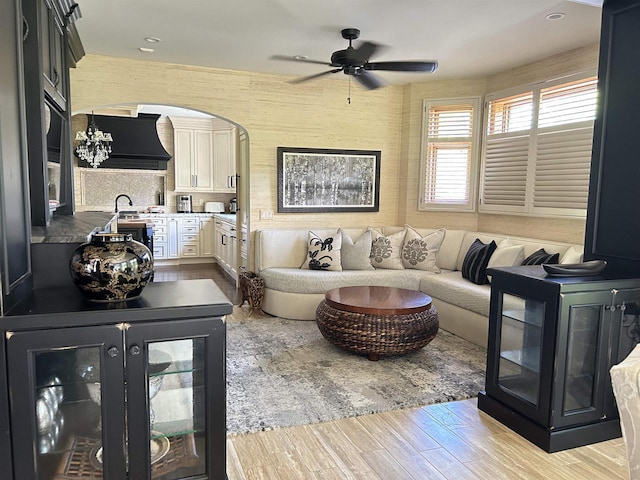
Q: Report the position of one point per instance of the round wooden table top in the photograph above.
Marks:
(378, 300)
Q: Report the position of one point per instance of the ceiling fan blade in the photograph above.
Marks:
(298, 59)
(408, 66)
(363, 53)
(369, 80)
(316, 75)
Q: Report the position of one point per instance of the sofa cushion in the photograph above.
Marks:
(474, 266)
(421, 252)
(541, 256)
(450, 287)
(323, 253)
(386, 251)
(296, 280)
(355, 255)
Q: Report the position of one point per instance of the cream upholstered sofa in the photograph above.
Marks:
(294, 293)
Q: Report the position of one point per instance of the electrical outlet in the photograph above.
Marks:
(266, 214)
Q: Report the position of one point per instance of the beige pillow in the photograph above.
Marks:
(506, 255)
(386, 251)
(323, 253)
(572, 255)
(421, 252)
(355, 255)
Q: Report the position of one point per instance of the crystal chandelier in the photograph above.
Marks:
(95, 145)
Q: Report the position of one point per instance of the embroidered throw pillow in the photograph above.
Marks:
(323, 253)
(386, 251)
(474, 265)
(541, 256)
(420, 252)
(355, 255)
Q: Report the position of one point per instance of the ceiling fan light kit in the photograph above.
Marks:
(355, 62)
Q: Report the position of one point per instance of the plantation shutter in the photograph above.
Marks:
(506, 153)
(448, 157)
(537, 149)
(563, 150)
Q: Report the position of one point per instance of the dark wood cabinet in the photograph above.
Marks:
(552, 341)
(612, 232)
(48, 55)
(118, 391)
(15, 266)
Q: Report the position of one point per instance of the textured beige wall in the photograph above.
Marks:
(274, 113)
(316, 114)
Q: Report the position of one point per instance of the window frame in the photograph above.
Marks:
(474, 161)
(529, 208)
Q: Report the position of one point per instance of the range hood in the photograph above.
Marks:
(135, 142)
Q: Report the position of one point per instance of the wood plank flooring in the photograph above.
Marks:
(451, 440)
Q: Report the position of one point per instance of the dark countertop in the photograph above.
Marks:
(72, 228)
(66, 306)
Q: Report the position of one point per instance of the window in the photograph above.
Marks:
(537, 148)
(449, 154)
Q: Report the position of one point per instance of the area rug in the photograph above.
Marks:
(282, 373)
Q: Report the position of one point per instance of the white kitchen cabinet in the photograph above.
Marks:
(189, 237)
(226, 246)
(172, 237)
(224, 160)
(193, 154)
(207, 235)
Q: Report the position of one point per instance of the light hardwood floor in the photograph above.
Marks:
(444, 441)
(452, 441)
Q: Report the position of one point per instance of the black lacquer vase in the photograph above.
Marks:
(112, 267)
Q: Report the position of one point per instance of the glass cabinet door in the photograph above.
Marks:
(61, 382)
(583, 358)
(520, 347)
(176, 400)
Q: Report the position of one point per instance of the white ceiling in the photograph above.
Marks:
(467, 37)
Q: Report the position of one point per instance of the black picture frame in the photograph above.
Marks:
(318, 180)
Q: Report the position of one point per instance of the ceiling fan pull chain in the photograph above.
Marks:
(349, 97)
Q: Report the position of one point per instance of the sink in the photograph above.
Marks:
(128, 214)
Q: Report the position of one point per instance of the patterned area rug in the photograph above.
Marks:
(282, 373)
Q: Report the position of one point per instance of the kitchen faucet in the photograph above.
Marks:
(125, 196)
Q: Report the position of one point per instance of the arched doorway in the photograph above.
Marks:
(97, 188)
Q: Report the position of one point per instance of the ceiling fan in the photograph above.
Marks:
(355, 62)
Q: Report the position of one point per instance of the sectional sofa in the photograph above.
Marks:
(294, 292)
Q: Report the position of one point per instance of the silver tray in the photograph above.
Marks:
(159, 448)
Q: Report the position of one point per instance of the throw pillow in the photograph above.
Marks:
(572, 255)
(541, 256)
(506, 255)
(355, 255)
(323, 253)
(386, 251)
(420, 252)
(474, 265)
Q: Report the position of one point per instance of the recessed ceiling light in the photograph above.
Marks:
(555, 16)
(152, 39)
(146, 50)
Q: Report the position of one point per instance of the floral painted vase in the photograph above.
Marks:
(112, 267)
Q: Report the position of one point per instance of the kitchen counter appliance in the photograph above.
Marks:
(214, 207)
(185, 204)
(233, 205)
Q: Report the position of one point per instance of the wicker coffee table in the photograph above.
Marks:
(377, 321)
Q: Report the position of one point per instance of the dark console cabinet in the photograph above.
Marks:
(132, 390)
(552, 341)
(613, 232)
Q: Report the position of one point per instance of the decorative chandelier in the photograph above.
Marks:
(95, 145)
